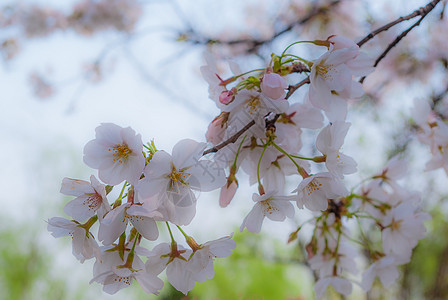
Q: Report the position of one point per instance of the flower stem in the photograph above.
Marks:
(171, 234)
(301, 170)
(238, 152)
(118, 201)
(260, 186)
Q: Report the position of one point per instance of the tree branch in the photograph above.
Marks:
(293, 88)
(422, 11)
(233, 139)
(253, 44)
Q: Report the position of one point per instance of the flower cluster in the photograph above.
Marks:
(159, 188)
(258, 131)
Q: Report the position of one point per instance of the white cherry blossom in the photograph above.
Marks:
(116, 221)
(112, 273)
(91, 198)
(403, 228)
(171, 179)
(271, 205)
(175, 262)
(329, 142)
(341, 285)
(84, 245)
(201, 263)
(385, 269)
(117, 154)
(314, 191)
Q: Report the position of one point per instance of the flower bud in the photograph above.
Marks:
(228, 191)
(217, 128)
(227, 97)
(273, 86)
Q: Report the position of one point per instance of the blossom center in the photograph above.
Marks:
(178, 176)
(313, 186)
(121, 152)
(324, 70)
(396, 224)
(93, 201)
(252, 105)
(268, 208)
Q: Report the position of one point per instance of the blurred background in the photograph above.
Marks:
(67, 66)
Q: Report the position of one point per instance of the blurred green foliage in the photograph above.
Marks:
(25, 267)
(260, 267)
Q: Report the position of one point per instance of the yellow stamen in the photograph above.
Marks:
(121, 152)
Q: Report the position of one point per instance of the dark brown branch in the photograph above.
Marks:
(293, 88)
(422, 11)
(233, 139)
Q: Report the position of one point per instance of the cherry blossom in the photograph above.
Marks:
(341, 285)
(385, 269)
(329, 142)
(403, 228)
(114, 275)
(91, 198)
(201, 263)
(314, 191)
(271, 205)
(175, 261)
(171, 179)
(84, 245)
(117, 154)
(116, 221)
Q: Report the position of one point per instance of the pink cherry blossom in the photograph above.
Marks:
(227, 97)
(341, 42)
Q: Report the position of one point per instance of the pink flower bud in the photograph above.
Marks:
(273, 86)
(216, 129)
(227, 97)
(227, 193)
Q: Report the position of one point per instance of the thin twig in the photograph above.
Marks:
(195, 38)
(422, 11)
(233, 139)
(293, 88)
